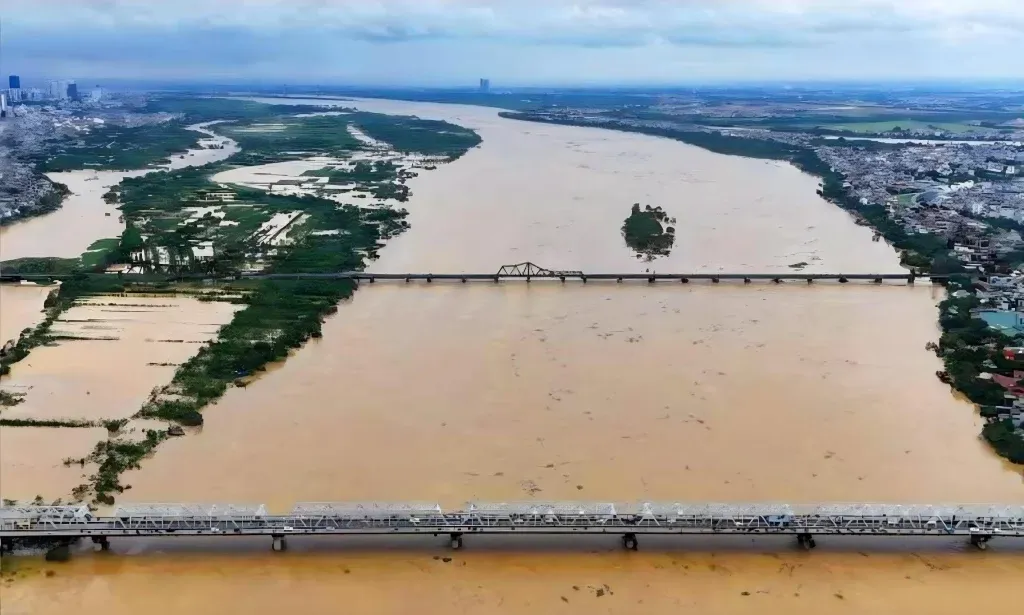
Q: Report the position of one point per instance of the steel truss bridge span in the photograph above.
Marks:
(979, 523)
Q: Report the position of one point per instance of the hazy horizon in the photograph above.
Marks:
(449, 43)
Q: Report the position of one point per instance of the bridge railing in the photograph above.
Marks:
(831, 518)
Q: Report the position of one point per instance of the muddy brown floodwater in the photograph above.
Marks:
(603, 392)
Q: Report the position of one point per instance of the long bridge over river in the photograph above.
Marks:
(65, 524)
(528, 272)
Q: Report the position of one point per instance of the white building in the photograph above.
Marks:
(58, 90)
(96, 94)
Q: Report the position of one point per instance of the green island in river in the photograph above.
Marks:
(182, 222)
(648, 232)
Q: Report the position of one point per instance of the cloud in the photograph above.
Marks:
(561, 22)
(221, 35)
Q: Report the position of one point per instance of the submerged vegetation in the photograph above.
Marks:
(164, 225)
(648, 232)
(120, 148)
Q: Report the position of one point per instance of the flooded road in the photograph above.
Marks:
(601, 392)
(85, 217)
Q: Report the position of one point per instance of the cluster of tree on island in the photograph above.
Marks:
(648, 231)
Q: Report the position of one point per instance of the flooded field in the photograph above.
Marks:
(85, 217)
(22, 306)
(121, 348)
(605, 392)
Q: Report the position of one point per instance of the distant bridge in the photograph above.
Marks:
(64, 524)
(529, 272)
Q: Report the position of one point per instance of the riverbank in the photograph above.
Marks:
(182, 220)
(48, 203)
(924, 253)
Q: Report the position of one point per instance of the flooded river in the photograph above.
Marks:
(602, 392)
(85, 217)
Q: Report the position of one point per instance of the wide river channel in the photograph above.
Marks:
(597, 392)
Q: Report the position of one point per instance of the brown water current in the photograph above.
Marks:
(451, 392)
(21, 307)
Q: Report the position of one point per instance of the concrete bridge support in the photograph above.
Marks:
(980, 541)
(100, 543)
(455, 541)
(59, 553)
(629, 542)
(806, 541)
(279, 543)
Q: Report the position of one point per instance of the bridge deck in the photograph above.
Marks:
(528, 518)
(649, 277)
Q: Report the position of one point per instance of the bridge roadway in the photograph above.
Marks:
(979, 523)
(684, 278)
(529, 272)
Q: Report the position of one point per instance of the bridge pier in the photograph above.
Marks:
(373, 280)
(777, 280)
(455, 541)
(651, 280)
(806, 541)
(715, 280)
(684, 280)
(843, 280)
(810, 280)
(279, 543)
(746, 280)
(100, 543)
(980, 541)
(630, 542)
(584, 278)
(59, 553)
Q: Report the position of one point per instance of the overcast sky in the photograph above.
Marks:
(514, 42)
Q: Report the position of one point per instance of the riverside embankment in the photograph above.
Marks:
(450, 392)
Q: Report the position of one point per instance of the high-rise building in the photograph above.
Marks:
(14, 82)
(73, 91)
(58, 89)
(96, 94)
(485, 85)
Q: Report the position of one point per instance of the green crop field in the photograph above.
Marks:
(905, 124)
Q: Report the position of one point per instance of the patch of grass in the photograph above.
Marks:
(97, 253)
(906, 199)
(45, 423)
(40, 266)
(900, 125)
(121, 148)
(8, 399)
